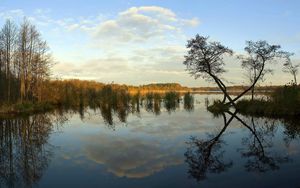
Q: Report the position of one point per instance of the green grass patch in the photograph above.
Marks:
(284, 101)
(218, 108)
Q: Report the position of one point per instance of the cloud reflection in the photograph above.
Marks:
(130, 157)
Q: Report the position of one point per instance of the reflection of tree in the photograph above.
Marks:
(205, 156)
(122, 112)
(148, 103)
(156, 108)
(106, 112)
(171, 104)
(121, 104)
(24, 150)
(189, 106)
(117, 103)
(153, 103)
(292, 129)
(81, 111)
(188, 101)
(259, 158)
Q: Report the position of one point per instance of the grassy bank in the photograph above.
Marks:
(283, 102)
(218, 107)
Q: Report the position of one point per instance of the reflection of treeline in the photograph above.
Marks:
(120, 102)
(170, 101)
(75, 92)
(113, 99)
(24, 150)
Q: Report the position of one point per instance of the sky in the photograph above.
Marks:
(143, 41)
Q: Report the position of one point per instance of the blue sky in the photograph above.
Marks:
(139, 42)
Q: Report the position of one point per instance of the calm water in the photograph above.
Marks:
(151, 148)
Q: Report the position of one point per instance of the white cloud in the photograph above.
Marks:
(141, 24)
(152, 11)
(92, 69)
(10, 14)
(141, 44)
(191, 22)
(139, 67)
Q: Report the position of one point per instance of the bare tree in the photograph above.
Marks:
(252, 69)
(25, 62)
(205, 59)
(288, 67)
(8, 36)
(23, 48)
(34, 61)
(259, 55)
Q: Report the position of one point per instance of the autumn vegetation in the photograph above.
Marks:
(25, 68)
(26, 84)
(24, 63)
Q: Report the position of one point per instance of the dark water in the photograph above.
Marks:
(159, 146)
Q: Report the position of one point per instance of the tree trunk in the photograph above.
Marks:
(8, 89)
(252, 94)
(224, 99)
(251, 130)
(253, 84)
(222, 86)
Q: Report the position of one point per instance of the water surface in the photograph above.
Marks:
(153, 146)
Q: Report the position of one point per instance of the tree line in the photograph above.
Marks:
(25, 62)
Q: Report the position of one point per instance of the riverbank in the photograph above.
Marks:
(283, 102)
